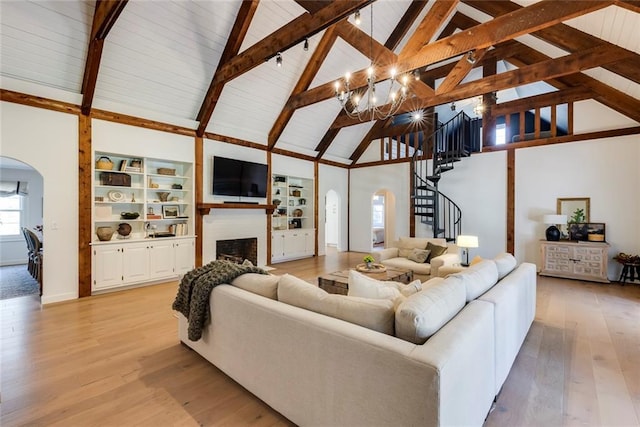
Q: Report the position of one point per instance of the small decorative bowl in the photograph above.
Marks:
(129, 215)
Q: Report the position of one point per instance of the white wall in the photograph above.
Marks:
(48, 141)
(14, 250)
(365, 182)
(336, 179)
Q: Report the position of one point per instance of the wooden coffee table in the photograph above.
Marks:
(338, 281)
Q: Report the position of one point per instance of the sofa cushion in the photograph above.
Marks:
(478, 278)
(405, 264)
(376, 314)
(418, 255)
(261, 284)
(435, 250)
(423, 314)
(505, 263)
(431, 282)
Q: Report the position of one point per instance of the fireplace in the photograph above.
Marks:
(238, 250)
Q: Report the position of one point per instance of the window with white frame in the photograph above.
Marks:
(501, 134)
(11, 216)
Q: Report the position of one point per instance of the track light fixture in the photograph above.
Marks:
(357, 19)
(453, 106)
(416, 74)
(471, 58)
(306, 44)
(279, 60)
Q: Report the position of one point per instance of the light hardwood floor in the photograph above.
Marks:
(114, 359)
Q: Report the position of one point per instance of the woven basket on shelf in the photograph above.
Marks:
(166, 171)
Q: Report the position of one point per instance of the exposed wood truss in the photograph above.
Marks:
(104, 17)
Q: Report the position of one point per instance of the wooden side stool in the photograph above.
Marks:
(630, 271)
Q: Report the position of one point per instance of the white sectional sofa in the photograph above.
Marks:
(398, 255)
(319, 370)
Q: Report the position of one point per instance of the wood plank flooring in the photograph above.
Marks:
(114, 359)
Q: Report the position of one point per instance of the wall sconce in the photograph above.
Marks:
(416, 74)
(453, 106)
(471, 58)
(467, 242)
(279, 60)
(306, 45)
(357, 17)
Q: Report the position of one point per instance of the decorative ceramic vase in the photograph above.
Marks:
(163, 195)
(124, 230)
(104, 233)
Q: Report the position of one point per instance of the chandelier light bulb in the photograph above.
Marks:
(393, 96)
(416, 74)
(347, 76)
(393, 73)
(405, 80)
(337, 85)
(369, 72)
(417, 116)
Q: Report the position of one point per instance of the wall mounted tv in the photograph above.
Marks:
(233, 177)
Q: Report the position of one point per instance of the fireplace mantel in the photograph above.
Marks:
(204, 208)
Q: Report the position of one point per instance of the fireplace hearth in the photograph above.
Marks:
(237, 250)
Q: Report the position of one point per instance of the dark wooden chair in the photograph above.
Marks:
(35, 258)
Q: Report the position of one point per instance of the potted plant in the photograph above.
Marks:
(368, 260)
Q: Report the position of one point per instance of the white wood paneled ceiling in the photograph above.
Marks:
(159, 59)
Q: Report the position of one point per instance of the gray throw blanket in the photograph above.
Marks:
(195, 287)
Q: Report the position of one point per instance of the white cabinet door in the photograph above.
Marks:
(277, 246)
(309, 243)
(184, 256)
(294, 244)
(161, 259)
(107, 266)
(135, 262)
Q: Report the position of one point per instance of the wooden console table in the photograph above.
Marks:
(575, 260)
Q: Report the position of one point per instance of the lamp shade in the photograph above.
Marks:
(554, 219)
(467, 241)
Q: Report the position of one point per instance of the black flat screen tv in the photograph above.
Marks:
(233, 177)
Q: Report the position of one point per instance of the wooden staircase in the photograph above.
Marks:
(451, 142)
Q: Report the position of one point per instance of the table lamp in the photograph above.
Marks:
(553, 234)
(467, 242)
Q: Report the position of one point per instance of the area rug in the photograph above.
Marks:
(15, 281)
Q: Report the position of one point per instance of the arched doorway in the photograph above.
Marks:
(21, 206)
(332, 221)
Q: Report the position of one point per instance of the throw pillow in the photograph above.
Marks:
(404, 252)
(363, 286)
(261, 284)
(505, 263)
(411, 288)
(375, 314)
(476, 259)
(419, 255)
(435, 251)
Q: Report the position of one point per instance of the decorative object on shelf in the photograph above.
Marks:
(596, 232)
(99, 198)
(175, 199)
(163, 195)
(302, 201)
(150, 210)
(115, 196)
(104, 163)
(368, 260)
(166, 171)
(291, 202)
(277, 202)
(374, 268)
(170, 211)
(129, 215)
(116, 179)
(623, 258)
(295, 193)
(467, 242)
(366, 108)
(176, 186)
(133, 197)
(277, 192)
(279, 179)
(104, 233)
(124, 230)
(297, 212)
(553, 233)
(153, 184)
(136, 163)
(578, 231)
(570, 207)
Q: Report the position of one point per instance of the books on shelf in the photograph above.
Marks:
(178, 229)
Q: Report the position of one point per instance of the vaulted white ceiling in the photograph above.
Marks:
(160, 56)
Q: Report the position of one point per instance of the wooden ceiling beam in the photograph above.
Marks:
(563, 96)
(287, 36)
(565, 37)
(309, 73)
(531, 18)
(234, 41)
(562, 66)
(460, 71)
(366, 141)
(632, 5)
(104, 18)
